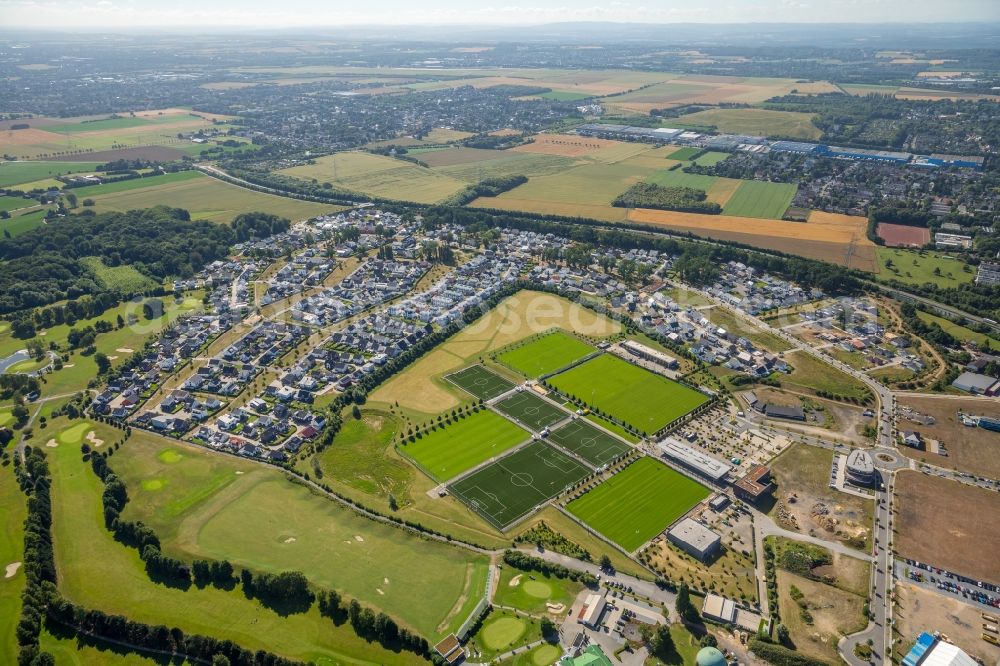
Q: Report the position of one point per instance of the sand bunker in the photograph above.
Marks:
(290, 540)
(52, 443)
(555, 608)
(69, 365)
(515, 580)
(385, 580)
(124, 350)
(12, 569)
(379, 591)
(94, 439)
(239, 472)
(358, 537)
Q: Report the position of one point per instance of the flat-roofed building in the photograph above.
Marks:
(694, 460)
(861, 469)
(694, 539)
(719, 608)
(590, 612)
(650, 354)
(755, 485)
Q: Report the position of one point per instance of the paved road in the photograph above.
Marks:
(766, 527)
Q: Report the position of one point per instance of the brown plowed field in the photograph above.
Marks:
(901, 235)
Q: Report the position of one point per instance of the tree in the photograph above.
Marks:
(708, 640)
(103, 362)
(606, 563)
(356, 412)
(684, 607)
(782, 633)
(393, 505)
(661, 643)
(220, 660)
(549, 630)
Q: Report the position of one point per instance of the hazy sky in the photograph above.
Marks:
(317, 13)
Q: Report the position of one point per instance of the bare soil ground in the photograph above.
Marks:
(919, 610)
(972, 450)
(948, 524)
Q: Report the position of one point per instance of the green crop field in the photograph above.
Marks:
(684, 154)
(710, 158)
(122, 279)
(22, 224)
(645, 400)
(755, 198)
(678, 178)
(135, 184)
(529, 409)
(200, 503)
(512, 486)
(447, 452)
(564, 96)
(98, 572)
(207, 198)
(15, 173)
(546, 354)
(13, 203)
(99, 125)
(638, 503)
(592, 444)
(480, 382)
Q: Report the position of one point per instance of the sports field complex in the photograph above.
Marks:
(525, 445)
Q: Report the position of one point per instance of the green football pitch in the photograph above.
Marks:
(631, 394)
(546, 354)
(512, 486)
(480, 382)
(588, 442)
(527, 408)
(638, 503)
(447, 452)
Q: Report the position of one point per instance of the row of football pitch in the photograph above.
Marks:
(523, 448)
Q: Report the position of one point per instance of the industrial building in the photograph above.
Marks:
(719, 608)
(867, 155)
(861, 469)
(794, 413)
(931, 650)
(694, 539)
(977, 384)
(756, 485)
(963, 161)
(988, 273)
(694, 460)
(952, 241)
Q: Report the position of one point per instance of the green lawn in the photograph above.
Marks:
(678, 178)
(9, 203)
(684, 154)
(811, 373)
(205, 505)
(638, 503)
(710, 158)
(15, 173)
(754, 198)
(530, 591)
(98, 572)
(135, 184)
(959, 331)
(917, 268)
(502, 631)
(22, 224)
(627, 392)
(447, 452)
(546, 354)
(13, 511)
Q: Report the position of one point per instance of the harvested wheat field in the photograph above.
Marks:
(831, 237)
(565, 145)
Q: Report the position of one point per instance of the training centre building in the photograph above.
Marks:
(694, 539)
(694, 460)
(755, 485)
(861, 469)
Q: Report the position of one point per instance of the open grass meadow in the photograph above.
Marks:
(123, 279)
(23, 223)
(812, 374)
(91, 191)
(920, 267)
(205, 505)
(759, 122)
(359, 456)
(206, 198)
(13, 511)
(448, 451)
(638, 503)
(959, 331)
(16, 173)
(98, 572)
(379, 176)
(545, 354)
(8, 203)
(631, 394)
(754, 198)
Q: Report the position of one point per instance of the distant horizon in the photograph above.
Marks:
(228, 15)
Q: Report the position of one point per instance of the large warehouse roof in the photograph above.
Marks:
(695, 459)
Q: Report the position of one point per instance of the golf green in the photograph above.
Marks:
(75, 433)
(169, 456)
(537, 588)
(502, 632)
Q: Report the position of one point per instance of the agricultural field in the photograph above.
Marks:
(754, 198)
(200, 504)
(446, 452)
(528, 409)
(802, 472)
(16, 173)
(546, 354)
(903, 235)
(207, 198)
(757, 122)
(917, 268)
(940, 521)
(98, 572)
(592, 444)
(511, 487)
(422, 388)
(379, 176)
(638, 503)
(631, 394)
(91, 139)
